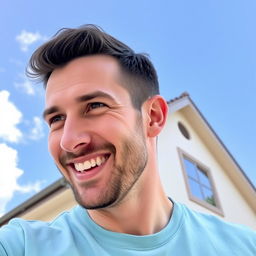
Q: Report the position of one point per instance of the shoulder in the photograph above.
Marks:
(220, 232)
(20, 225)
(19, 233)
(214, 222)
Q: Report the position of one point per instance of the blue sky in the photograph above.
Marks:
(206, 47)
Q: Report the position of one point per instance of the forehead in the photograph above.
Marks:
(85, 75)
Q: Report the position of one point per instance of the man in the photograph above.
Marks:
(104, 114)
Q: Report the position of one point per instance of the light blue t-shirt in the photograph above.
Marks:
(75, 233)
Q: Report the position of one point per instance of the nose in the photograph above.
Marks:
(74, 136)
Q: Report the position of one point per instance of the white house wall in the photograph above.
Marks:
(234, 206)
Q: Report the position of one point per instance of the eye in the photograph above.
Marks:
(55, 119)
(95, 105)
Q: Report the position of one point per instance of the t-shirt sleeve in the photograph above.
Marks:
(11, 240)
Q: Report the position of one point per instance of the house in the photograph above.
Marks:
(195, 167)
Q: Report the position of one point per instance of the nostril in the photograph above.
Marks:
(80, 145)
(74, 143)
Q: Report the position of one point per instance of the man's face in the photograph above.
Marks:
(96, 137)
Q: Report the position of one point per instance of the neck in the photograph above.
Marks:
(144, 211)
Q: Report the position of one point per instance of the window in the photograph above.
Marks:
(199, 183)
(184, 130)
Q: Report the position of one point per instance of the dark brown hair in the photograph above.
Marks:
(137, 70)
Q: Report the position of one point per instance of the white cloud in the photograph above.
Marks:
(9, 174)
(36, 187)
(10, 117)
(37, 132)
(26, 85)
(26, 38)
(17, 63)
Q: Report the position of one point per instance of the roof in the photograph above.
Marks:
(183, 95)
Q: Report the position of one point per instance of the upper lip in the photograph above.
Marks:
(84, 158)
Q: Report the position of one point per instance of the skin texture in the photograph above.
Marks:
(90, 115)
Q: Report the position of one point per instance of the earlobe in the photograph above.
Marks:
(157, 113)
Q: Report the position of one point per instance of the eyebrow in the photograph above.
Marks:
(93, 95)
(82, 98)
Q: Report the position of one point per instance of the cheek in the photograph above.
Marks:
(115, 126)
(106, 129)
(54, 145)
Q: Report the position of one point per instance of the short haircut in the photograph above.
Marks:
(140, 77)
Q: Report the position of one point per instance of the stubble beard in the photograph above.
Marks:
(124, 175)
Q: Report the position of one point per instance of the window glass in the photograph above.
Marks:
(208, 196)
(199, 183)
(195, 189)
(190, 168)
(204, 178)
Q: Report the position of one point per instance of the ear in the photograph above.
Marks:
(157, 111)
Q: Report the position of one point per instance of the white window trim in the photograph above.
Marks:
(216, 209)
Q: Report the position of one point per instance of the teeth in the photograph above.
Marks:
(103, 159)
(93, 163)
(81, 167)
(98, 161)
(87, 165)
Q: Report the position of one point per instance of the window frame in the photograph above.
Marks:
(216, 209)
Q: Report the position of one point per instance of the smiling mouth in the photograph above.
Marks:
(90, 164)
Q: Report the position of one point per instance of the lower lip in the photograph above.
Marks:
(87, 175)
